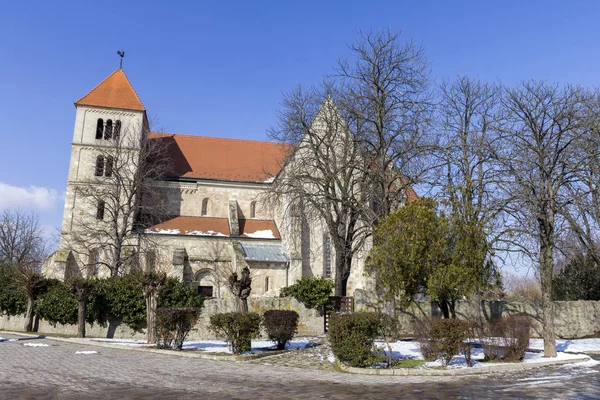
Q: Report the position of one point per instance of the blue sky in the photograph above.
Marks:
(219, 68)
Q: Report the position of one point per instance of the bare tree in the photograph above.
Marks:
(121, 201)
(23, 247)
(21, 238)
(539, 157)
(358, 142)
(323, 179)
(467, 178)
(152, 284)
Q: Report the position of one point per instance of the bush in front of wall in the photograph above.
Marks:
(57, 304)
(312, 292)
(237, 328)
(506, 339)
(173, 325)
(352, 337)
(280, 326)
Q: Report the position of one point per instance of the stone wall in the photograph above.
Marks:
(572, 319)
(310, 324)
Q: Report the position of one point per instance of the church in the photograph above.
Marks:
(215, 197)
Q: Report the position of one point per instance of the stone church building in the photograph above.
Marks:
(218, 216)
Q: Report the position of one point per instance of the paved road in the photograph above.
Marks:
(55, 371)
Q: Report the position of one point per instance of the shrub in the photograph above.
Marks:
(173, 325)
(120, 298)
(312, 292)
(57, 305)
(444, 338)
(352, 337)
(238, 329)
(507, 339)
(176, 293)
(422, 329)
(280, 325)
(12, 297)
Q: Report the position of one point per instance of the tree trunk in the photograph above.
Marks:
(546, 261)
(151, 305)
(443, 304)
(343, 264)
(81, 312)
(29, 315)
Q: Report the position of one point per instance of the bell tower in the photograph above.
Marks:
(110, 116)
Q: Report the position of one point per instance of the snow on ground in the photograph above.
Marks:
(403, 350)
(35, 344)
(86, 352)
(212, 346)
(570, 346)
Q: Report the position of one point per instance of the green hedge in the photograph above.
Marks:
(57, 305)
(12, 297)
(280, 326)
(352, 337)
(237, 328)
(312, 292)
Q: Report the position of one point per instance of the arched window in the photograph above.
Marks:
(99, 128)
(326, 257)
(205, 207)
(266, 284)
(253, 209)
(99, 165)
(109, 166)
(150, 261)
(94, 263)
(108, 131)
(100, 209)
(117, 131)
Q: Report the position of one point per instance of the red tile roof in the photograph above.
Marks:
(201, 226)
(113, 92)
(259, 229)
(224, 159)
(219, 227)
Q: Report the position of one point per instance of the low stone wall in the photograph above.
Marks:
(310, 324)
(572, 319)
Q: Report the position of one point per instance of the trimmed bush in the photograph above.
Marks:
(449, 336)
(173, 325)
(352, 337)
(238, 329)
(57, 305)
(422, 329)
(507, 339)
(312, 292)
(280, 326)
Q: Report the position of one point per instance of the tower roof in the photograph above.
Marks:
(113, 92)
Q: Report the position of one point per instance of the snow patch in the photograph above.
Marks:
(270, 180)
(86, 352)
(35, 344)
(208, 233)
(163, 231)
(265, 234)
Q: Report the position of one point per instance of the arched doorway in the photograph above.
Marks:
(207, 283)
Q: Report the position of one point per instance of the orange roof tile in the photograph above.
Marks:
(259, 229)
(113, 92)
(224, 159)
(212, 226)
(201, 226)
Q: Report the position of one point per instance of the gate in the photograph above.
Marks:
(340, 304)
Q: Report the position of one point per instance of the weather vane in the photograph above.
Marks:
(121, 54)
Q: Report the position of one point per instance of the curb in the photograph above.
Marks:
(486, 369)
(180, 353)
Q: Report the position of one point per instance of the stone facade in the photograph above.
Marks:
(230, 199)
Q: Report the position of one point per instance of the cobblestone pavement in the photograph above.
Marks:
(55, 371)
(316, 356)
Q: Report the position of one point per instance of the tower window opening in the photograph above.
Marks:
(108, 170)
(327, 257)
(253, 209)
(117, 130)
(100, 209)
(108, 130)
(99, 166)
(99, 128)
